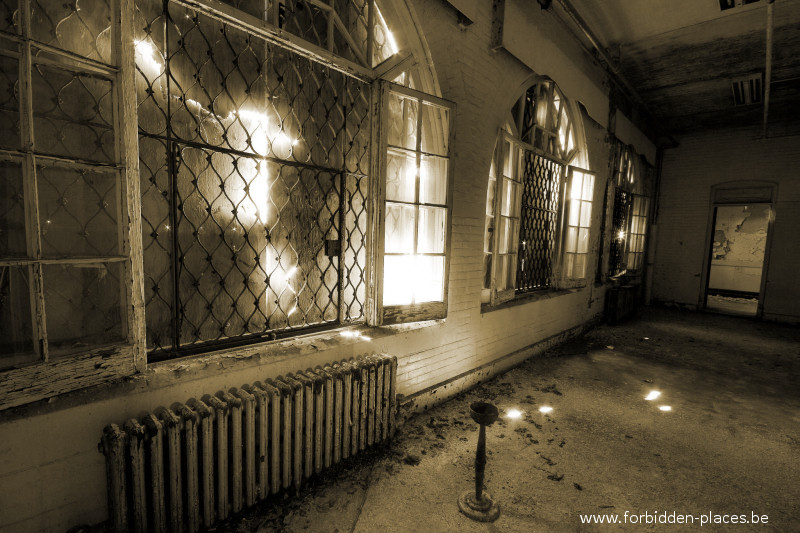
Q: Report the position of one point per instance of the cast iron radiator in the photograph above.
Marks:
(187, 467)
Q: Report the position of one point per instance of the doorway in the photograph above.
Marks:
(736, 266)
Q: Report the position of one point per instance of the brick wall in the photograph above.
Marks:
(684, 220)
(58, 440)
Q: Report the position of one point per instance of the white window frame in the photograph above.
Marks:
(84, 366)
(570, 203)
(378, 312)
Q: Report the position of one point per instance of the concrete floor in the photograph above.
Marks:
(729, 446)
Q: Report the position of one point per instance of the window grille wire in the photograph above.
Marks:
(541, 183)
(253, 166)
(622, 201)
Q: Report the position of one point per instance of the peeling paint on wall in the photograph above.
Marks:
(740, 238)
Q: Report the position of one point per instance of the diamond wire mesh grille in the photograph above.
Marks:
(541, 183)
(254, 166)
(619, 219)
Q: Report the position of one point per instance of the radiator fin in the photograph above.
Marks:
(189, 466)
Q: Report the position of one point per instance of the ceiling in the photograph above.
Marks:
(681, 57)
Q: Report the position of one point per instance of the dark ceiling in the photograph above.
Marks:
(682, 57)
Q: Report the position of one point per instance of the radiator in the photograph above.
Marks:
(186, 467)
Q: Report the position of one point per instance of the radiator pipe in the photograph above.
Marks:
(768, 68)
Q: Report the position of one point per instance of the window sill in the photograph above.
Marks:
(530, 297)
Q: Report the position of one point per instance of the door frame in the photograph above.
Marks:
(731, 193)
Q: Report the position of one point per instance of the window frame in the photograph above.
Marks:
(629, 179)
(499, 296)
(571, 281)
(83, 366)
(377, 312)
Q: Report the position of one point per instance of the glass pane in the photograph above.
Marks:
(12, 210)
(488, 235)
(490, 197)
(583, 240)
(505, 235)
(588, 187)
(513, 235)
(502, 272)
(579, 270)
(576, 187)
(77, 212)
(82, 306)
(16, 333)
(9, 103)
(433, 180)
(83, 27)
(572, 239)
(402, 121)
(401, 176)
(435, 129)
(72, 114)
(586, 214)
(509, 201)
(574, 212)
(398, 279)
(569, 261)
(509, 153)
(400, 226)
(432, 230)
(429, 279)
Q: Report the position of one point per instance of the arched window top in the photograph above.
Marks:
(628, 170)
(542, 118)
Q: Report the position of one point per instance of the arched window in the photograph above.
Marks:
(530, 225)
(630, 213)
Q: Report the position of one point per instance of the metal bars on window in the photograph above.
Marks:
(541, 191)
(254, 165)
(522, 223)
(61, 245)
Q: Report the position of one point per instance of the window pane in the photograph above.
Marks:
(576, 187)
(572, 239)
(12, 210)
(588, 187)
(490, 197)
(505, 235)
(433, 180)
(401, 176)
(429, 279)
(82, 306)
(82, 27)
(502, 272)
(509, 155)
(72, 114)
(569, 261)
(400, 226)
(583, 240)
(435, 123)
(402, 121)
(574, 212)
(16, 334)
(9, 103)
(579, 270)
(432, 225)
(398, 279)
(586, 214)
(509, 205)
(77, 212)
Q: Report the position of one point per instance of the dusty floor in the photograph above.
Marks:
(729, 446)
